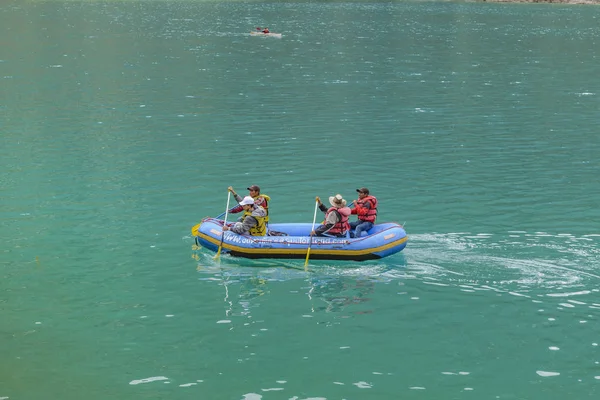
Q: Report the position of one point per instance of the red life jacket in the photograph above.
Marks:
(342, 226)
(365, 214)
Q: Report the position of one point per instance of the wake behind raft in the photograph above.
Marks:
(293, 240)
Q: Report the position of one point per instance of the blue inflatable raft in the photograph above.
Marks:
(293, 240)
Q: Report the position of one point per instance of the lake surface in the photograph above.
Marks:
(475, 125)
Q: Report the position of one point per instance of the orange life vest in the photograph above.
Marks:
(371, 213)
(342, 226)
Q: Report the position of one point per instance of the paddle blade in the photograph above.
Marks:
(306, 261)
(216, 257)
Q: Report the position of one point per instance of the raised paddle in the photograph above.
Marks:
(311, 236)
(224, 223)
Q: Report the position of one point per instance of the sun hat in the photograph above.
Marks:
(253, 187)
(337, 201)
(246, 201)
(363, 190)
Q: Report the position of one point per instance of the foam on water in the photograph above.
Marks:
(148, 380)
(431, 252)
(547, 373)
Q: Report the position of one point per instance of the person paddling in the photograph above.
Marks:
(253, 221)
(336, 218)
(261, 200)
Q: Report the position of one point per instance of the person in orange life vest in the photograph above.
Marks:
(336, 218)
(261, 200)
(366, 210)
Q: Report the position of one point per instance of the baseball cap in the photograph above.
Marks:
(246, 201)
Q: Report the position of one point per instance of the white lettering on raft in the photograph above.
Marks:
(280, 241)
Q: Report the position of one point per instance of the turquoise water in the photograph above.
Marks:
(474, 124)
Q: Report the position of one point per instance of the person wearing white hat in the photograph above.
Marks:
(336, 218)
(253, 221)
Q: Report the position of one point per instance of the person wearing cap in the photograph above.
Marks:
(366, 210)
(336, 218)
(261, 200)
(252, 222)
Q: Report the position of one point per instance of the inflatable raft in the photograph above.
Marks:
(292, 241)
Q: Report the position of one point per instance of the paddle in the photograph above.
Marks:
(224, 223)
(227, 210)
(311, 236)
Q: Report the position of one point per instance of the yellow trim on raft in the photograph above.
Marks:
(313, 249)
(195, 231)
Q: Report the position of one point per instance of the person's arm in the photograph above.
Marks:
(322, 229)
(321, 206)
(330, 221)
(243, 228)
(236, 209)
(237, 197)
(363, 210)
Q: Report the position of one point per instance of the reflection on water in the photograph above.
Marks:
(327, 288)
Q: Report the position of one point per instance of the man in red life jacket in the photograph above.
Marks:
(266, 30)
(366, 210)
(336, 218)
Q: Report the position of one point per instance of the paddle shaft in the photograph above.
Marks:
(224, 223)
(311, 236)
(226, 211)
